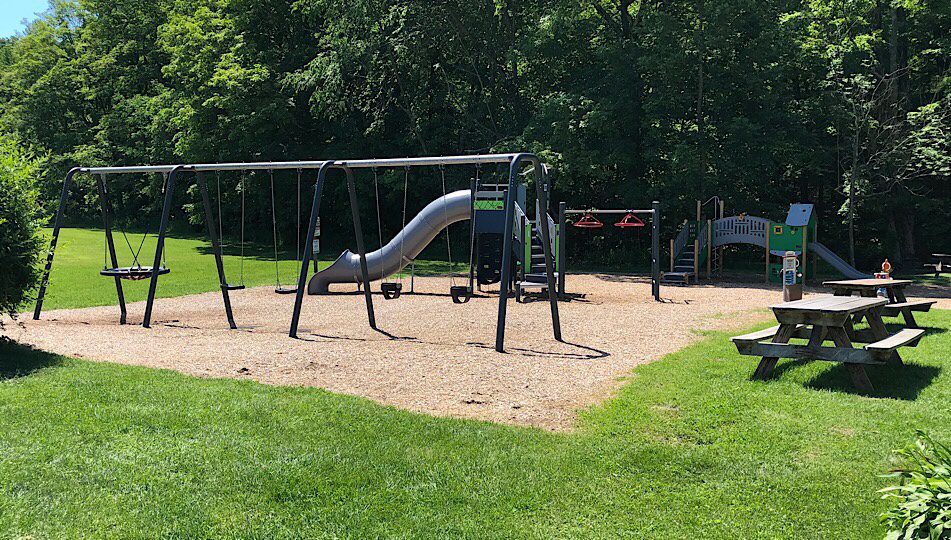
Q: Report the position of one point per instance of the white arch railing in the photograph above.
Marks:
(741, 230)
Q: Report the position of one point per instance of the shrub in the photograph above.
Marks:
(922, 498)
(19, 228)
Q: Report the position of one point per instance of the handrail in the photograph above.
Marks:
(680, 241)
(702, 236)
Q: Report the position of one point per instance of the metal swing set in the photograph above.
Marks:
(172, 173)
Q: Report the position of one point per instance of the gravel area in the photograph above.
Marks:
(432, 356)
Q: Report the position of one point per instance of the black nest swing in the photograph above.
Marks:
(133, 273)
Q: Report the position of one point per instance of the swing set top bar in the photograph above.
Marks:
(283, 165)
(596, 211)
(206, 167)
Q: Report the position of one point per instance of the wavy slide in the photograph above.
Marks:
(402, 249)
(837, 262)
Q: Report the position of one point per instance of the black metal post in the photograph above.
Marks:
(160, 244)
(474, 189)
(562, 245)
(216, 248)
(308, 247)
(107, 230)
(507, 250)
(361, 248)
(655, 250)
(57, 225)
(541, 221)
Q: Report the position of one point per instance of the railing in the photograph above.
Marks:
(741, 230)
(522, 237)
(552, 233)
(702, 242)
(682, 240)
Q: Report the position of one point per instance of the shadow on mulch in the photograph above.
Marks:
(18, 360)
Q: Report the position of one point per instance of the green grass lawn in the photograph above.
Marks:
(75, 279)
(689, 448)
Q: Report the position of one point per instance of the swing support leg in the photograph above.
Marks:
(57, 225)
(506, 281)
(216, 248)
(361, 248)
(107, 229)
(308, 246)
(160, 244)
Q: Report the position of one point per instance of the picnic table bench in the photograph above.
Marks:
(944, 262)
(897, 305)
(828, 318)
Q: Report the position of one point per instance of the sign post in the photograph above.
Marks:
(792, 287)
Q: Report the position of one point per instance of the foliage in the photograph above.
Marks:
(921, 502)
(19, 234)
(764, 103)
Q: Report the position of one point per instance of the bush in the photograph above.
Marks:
(20, 242)
(922, 498)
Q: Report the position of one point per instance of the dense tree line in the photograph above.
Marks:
(844, 103)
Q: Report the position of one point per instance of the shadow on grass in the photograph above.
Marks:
(894, 327)
(18, 360)
(903, 382)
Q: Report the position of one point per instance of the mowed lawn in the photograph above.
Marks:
(688, 448)
(75, 279)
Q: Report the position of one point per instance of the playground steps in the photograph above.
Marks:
(677, 278)
(535, 277)
(683, 272)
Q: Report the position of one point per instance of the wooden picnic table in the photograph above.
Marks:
(897, 305)
(828, 318)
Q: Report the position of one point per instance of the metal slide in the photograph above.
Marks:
(837, 262)
(402, 249)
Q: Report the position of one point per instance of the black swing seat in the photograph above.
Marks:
(285, 290)
(460, 294)
(391, 290)
(133, 273)
(230, 287)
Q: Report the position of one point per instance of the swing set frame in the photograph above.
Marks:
(172, 174)
(653, 212)
(515, 161)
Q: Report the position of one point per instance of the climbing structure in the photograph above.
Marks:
(699, 244)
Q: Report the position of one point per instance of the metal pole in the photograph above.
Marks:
(308, 248)
(507, 241)
(361, 248)
(279, 165)
(562, 245)
(107, 230)
(160, 244)
(655, 251)
(57, 225)
(506, 257)
(216, 248)
(541, 220)
(474, 189)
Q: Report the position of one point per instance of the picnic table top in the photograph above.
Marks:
(830, 304)
(868, 283)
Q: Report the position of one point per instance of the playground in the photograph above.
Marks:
(429, 354)
(412, 385)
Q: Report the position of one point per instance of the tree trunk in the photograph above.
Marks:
(906, 231)
(701, 128)
(852, 181)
